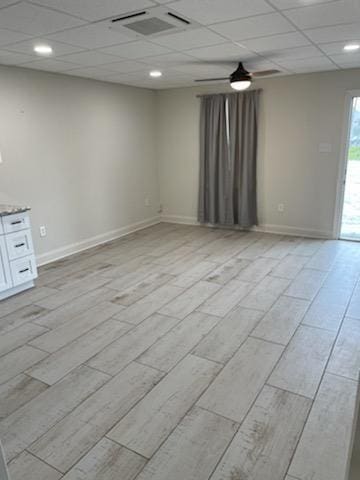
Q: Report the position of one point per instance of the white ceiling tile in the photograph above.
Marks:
(127, 66)
(215, 11)
(257, 64)
(305, 63)
(34, 20)
(138, 49)
(199, 37)
(9, 36)
(344, 11)
(314, 68)
(297, 53)
(168, 60)
(49, 65)
(337, 48)
(90, 59)
(96, 9)
(95, 35)
(28, 47)
(143, 80)
(12, 58)
(228, 51)
(276, 42)
(90, 72)
(347, 60)
(6, 3)
(336, 33)
(286, 4)
(253, 27)
(203, 71)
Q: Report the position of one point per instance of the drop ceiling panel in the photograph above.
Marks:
(286, 4)
(168, 60)
(253, 27)
(276, 42)
(34, 20)
(336, 33)
(228, 51)
(5, 3)
(95, 35)
(142, 79)
(90, 72)
(96, 9)
(12, 58)
(9, 36)
(257, 64)
(297, 53)
(336, 48)
(49, 65)
(28, 47)
(345, 11)
(202, 71)
(200, 37)
(90, 59)
(307, 63)
(215, 11)
(127, 66)
(347, 60)
(139, 49)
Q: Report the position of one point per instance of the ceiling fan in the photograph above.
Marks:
(241, 79)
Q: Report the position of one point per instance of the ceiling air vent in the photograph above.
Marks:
(150, 26)
(151, 22)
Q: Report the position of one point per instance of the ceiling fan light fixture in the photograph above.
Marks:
(240, 79)
(240, 84)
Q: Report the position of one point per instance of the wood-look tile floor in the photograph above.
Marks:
(184, 353)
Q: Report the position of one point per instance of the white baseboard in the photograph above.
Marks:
(77, 247)
(179, 219)
(265, 228)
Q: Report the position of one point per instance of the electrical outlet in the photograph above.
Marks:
(42, 231)
(147, 202)
(281, 207)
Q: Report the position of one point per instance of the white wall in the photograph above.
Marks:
(85, 154)
(297, 114)
(81, 153)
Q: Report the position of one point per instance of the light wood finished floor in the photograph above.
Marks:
(184, 353)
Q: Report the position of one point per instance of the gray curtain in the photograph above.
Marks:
(228, 150)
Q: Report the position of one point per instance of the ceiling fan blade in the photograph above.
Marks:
(265, 73)
(211, 79)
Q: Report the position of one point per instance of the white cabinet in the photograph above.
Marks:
(5, 277)
(17, 259)
(19, 244)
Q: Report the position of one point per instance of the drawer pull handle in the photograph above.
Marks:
(16, 222)
(19, 245)
(24, 270)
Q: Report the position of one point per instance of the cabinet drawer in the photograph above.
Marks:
(14, 223)
(23, 270)
(19, 244)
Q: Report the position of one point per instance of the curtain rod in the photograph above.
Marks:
(199, 95)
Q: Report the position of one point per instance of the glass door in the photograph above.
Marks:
(350, 221)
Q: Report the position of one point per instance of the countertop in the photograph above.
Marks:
(11, 209)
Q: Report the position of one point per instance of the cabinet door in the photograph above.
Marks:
(5, 277)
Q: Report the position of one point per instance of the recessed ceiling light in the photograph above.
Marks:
(43, 49)
(351, 47)
(155, 73)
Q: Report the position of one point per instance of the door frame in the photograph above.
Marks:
(345, 141)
